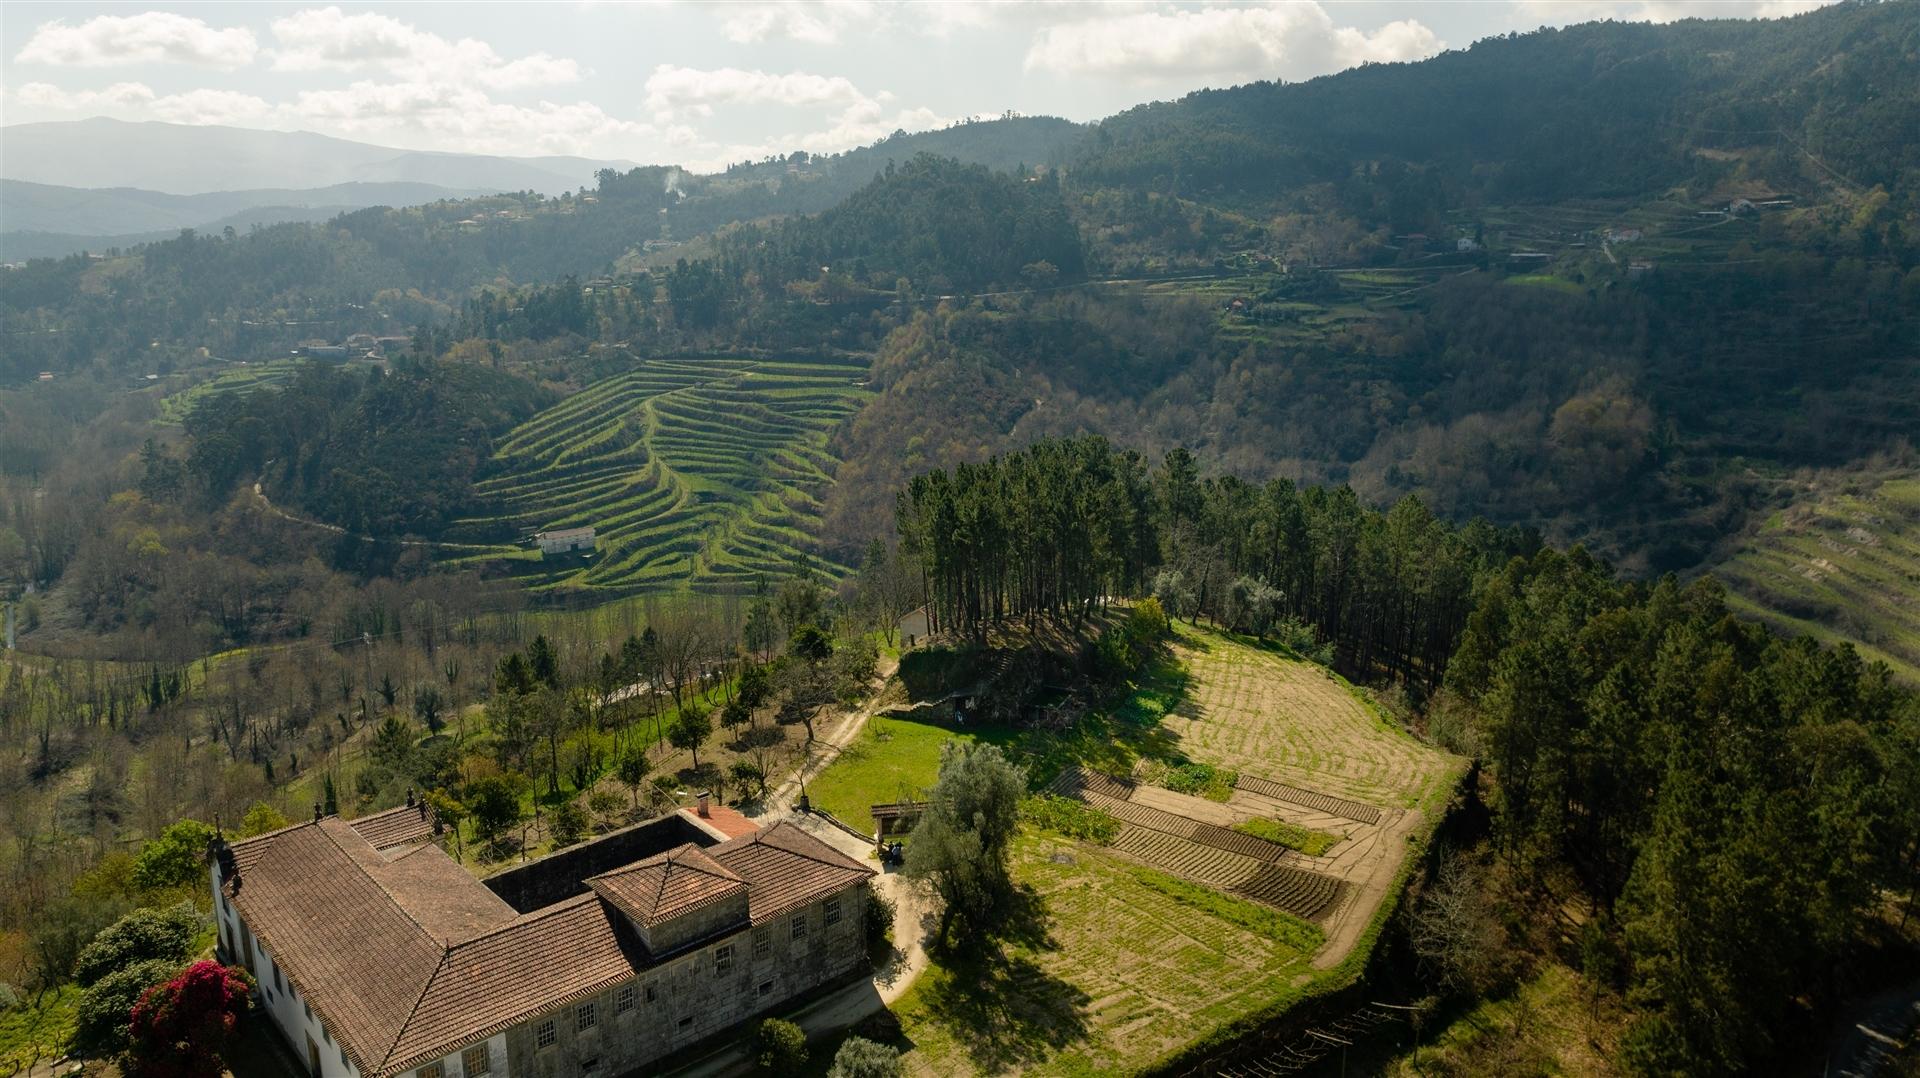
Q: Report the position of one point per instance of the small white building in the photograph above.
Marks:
(914, 627)
(565, 540)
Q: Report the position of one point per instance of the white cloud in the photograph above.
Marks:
(443, 116)
(674, 90)
(1565, 12)
(825, 22)
(119, 97)
(211, 107)
(150, 37)
(328, 39)
(1276, 40)
(790, 20)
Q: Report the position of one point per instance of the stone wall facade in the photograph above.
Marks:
(691, 997)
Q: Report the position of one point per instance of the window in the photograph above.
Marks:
(722, 960)
(766, 989)
(343, 1058)
(431, 1070)
(544, 1034)
(309, 1010)
(279, 981)
(653, 992)
(476, 1060)
(799, 930)
(623, 1002)
(833, 910)
(762, 942)
(686, 1023)
(583, 1017)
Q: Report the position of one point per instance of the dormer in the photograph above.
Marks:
(675, 898)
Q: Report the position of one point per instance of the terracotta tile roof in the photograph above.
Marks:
(395, 827)
(541, 961)
(726, 821)
(349, 948)
(667, 885)
(786, 868)
(404, 960)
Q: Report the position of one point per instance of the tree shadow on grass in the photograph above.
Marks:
(1003, 1008)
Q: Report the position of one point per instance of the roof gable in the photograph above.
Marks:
(667, 885)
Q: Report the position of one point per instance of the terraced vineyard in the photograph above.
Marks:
(703, 472)
(1310, 895)
(1840, 563)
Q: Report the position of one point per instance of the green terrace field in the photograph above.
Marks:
(703, 472)
(238, 378)
(1842, 564)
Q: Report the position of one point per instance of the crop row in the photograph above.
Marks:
(1297, 891)
(699, 472)
(1327, 803)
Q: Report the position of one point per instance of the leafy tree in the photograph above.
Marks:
(143, 935)
(262, 818)
(810, 644)
(176, 857)
(780, 1047)
(543, 663)
(393, 742)
(428, 703)
(512, 675)
(495, 803)
(859, 1057)
(568, 823)
(105, 1010)
(960, 846)
(754, 688)
(330, 796)
(691, 730)
(181, 1029)
(389, 692)
(748, 776)
(631, 769)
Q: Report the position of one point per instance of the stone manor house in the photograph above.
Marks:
(377, 955)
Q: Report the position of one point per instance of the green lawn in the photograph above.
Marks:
(37, 1028)
(891, 760)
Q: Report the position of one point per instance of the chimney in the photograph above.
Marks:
(316, 812)
(704, 796)
(422, 806)
(409, 797)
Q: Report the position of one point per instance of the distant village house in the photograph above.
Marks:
(565, 540)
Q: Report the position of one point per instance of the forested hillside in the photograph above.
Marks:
(1546, 279)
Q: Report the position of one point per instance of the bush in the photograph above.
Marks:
(880, 916)
(1070, 818)
(181, 1029)
(568, 823)
(1205, 780)
(140, 936)
(102, 1018)
(176, 857)
(781, 1047)
(63, 930)
(859, 1057)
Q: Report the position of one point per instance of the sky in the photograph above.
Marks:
(705, 84)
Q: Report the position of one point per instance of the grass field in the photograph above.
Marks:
(891, 760)
(1260, 712)
(1841, 564)
(703, 473)
(1120, 965)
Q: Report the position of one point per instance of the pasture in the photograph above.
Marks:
(701, 472)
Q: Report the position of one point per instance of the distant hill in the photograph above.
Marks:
(186, 159)
(46, 221)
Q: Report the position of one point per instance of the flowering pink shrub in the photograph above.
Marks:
(181, 1028)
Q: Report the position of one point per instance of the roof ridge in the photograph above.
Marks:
(845, 862)
(542, 913)
(275, 833)
(384, 889)
(413, 1012)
